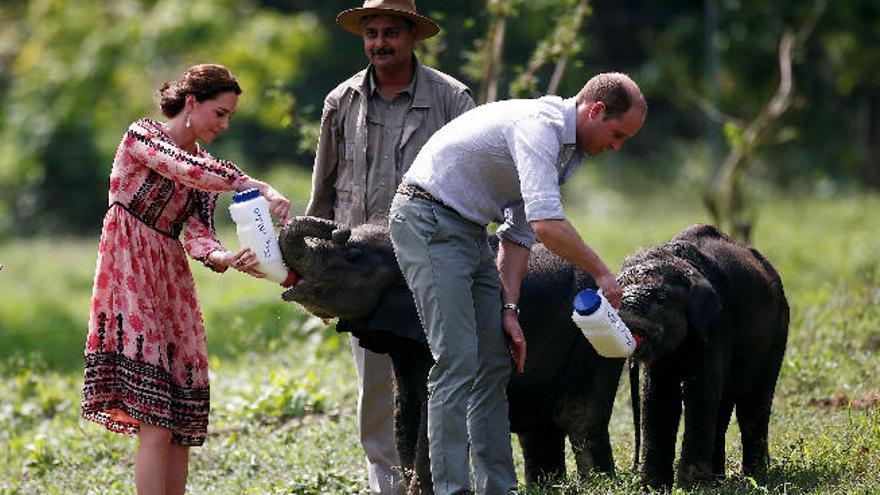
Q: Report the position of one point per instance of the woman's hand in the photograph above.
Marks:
(278, 204)
(244, 261)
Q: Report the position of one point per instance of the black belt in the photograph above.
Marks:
(417, 192)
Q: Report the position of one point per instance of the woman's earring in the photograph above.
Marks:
(187, 123)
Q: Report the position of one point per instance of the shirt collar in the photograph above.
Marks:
(373, 88)
(569, 110)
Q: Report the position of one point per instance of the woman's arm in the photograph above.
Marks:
(150, 147)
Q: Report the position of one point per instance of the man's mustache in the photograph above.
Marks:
(382, 51)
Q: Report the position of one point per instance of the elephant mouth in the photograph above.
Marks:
(642, 337)
(324, 298)
(302, 293)
(638, 337)
(319, 312)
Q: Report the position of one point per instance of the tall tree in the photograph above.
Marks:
(725, 198)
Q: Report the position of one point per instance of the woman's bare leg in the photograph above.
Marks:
(152, 460)
(178, 469)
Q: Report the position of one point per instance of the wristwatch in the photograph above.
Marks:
(510, 306)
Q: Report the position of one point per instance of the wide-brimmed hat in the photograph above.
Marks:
(350, 19)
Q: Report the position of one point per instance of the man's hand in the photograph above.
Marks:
(610, 289)
(516, 341)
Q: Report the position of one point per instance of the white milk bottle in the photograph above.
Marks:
(253, 224)
(601, 325)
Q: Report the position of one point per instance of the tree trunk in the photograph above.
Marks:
(494, 50)
(871, 171)
(725, 200)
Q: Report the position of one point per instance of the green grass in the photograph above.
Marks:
(283, 385)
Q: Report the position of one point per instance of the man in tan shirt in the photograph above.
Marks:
(372, 127)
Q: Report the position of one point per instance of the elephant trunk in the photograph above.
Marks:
(292, 238)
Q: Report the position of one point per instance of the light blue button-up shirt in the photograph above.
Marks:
(503, 162)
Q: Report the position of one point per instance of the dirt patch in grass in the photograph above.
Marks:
(840, 399)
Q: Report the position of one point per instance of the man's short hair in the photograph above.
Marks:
(616, 90)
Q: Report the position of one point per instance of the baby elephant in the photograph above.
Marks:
(713, 321)
(567, 389)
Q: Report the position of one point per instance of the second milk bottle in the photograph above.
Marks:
(598, 321)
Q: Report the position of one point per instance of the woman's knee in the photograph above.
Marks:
(154, 436)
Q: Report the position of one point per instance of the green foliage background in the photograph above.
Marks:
(77, 73)
(74, 74)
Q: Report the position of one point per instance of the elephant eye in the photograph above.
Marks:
(353, 253)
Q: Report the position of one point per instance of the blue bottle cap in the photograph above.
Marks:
(246, 195)
(586, 302)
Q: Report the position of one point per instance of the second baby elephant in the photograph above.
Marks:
(713, 321)
(567, 390)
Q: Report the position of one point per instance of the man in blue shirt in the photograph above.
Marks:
(502, 162)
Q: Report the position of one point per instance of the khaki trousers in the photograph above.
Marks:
(375, 416)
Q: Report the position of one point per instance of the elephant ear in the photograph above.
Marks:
(704, 304)
(340, 236)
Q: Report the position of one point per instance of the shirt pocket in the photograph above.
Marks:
(345, 167)
(346, 152)
(342, 207)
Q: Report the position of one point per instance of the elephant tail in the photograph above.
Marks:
(636, 410)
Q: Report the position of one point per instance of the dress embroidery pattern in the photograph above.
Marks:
(146, 355)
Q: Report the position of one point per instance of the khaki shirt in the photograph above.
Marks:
(341, 190)
(385, 127)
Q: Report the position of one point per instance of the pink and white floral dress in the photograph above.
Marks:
(145, 356)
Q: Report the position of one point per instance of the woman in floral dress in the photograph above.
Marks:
(146, 366)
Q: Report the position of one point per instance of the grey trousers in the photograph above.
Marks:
(450, 268)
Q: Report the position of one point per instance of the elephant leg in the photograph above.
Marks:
(702, 394)
(753, 412)
(661, 412)
(411, 363)
(753, 416)
(422, 483)
(592, 450)
(543, 449)
(585, 414)
(406, 420)
(719, 456)
(699, 440)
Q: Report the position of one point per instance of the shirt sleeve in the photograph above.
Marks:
(464, 101)
(516, 228)
(534, 145)
(203, 173)
(199, 237)
(323, 196)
